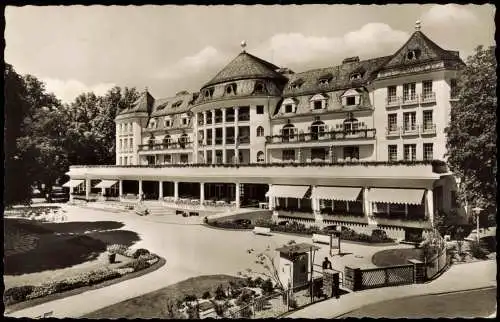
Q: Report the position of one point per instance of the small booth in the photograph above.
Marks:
(296, 265)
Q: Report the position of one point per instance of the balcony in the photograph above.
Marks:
(409, 129)
(243, 117)
(394, 131)
(244, 140)
(392, 101)
(429, 97)
(322, 136)
(428, 129)
(209, 141)
(209, 119)
(411, 99)
(218, 119)
(230, 140)
(165, 146)
(218, 141)
(230, 118)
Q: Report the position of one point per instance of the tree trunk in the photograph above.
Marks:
(48, 192)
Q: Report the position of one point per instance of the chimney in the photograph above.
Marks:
(349, 60)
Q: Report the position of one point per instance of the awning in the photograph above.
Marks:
(73, 183)
(282, 191)
(105, 183)
(336, 193)
(408, 196)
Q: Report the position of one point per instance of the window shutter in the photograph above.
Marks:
(357, 99)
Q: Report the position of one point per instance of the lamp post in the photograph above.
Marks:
(289, 284)
(477, 211)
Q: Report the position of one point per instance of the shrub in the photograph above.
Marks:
(140, 251)
(268, 223)
(267, 286)
(244, 298)
(17, 294)
(206, 295)
(117, 249)
(147, 257)
(258, 281)
(189, 298)
(137, 264)
(477, 250)
(379, 234)
(219, 293)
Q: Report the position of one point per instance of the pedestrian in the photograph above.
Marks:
(327, 264)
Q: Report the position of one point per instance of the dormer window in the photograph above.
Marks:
(259, 88)
(296, 83)
(231, 89)
(162, 106)
(355, 76)
(318, 102)
(177, 104)
(325, 79)
(413, 54)
(209, 92)
(351, 98)
(289, 105)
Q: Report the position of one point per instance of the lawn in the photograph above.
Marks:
(36, 252)
(397, 256)
(153, 305)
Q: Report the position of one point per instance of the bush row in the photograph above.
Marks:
(142, 259)
(377, 236)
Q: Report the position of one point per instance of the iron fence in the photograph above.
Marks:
(436, 264)
(379, 277)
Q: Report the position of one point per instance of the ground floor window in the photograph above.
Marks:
(318, 154)
(342, 207)
(398, 211)
(351, 152)
(184, 158)
(288, 155)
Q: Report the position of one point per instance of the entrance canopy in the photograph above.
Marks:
(73, 183)
(336, 193)
(282, 191)
(402, 196)
(106, 183)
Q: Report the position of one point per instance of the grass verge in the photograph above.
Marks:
(153, 305)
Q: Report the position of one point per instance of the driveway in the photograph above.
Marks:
(190, 250)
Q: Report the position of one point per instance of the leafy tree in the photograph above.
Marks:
(17, 186)
(268, 262)
(471, 136)
(219, 293)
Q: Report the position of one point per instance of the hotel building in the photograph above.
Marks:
(360, 144)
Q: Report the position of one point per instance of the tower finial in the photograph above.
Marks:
(146, 89)
(417, 25)
(243, 45)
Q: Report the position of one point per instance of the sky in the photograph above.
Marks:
(75, 49)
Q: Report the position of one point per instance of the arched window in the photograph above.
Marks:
(183, 140)
(260, 157)
(260, 131)
(259, 88)
(317, 130)
(167, 140)
(288, 132)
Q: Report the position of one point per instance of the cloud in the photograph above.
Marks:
(68, 90)
(371, 40)
(207, 58)
(448, 15)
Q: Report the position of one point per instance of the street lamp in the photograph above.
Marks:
(289, 284)
(477, 211)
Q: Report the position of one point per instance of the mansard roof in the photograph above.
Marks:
(246, 66)
(339, 77)
(180, 103)
(429, 52)
(143, 104)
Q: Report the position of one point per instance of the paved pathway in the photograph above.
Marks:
(189, 249)
(459, 277)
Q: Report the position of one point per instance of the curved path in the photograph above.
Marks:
(189, 249)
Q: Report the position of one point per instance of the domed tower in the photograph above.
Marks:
(232, 111)
(129, 125)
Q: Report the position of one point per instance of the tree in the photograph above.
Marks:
(17, 186)
(471, 136)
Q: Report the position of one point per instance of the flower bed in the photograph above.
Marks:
(142, 260)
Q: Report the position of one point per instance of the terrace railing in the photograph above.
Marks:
(323, 136)
(165, 146)
(358, 279)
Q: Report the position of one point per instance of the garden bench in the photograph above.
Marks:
(319, 238)
(262, 231)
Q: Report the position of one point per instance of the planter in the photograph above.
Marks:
(111, 258)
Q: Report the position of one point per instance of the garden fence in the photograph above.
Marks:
(361, 279)
(263, 307)
(436, 264)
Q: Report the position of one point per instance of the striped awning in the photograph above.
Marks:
(105, 183)
(282, 191)
(336, 193)
(408, 196)
(73, 183)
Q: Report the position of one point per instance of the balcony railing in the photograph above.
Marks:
(410, 129)
(209, 119)
(218, 119)
(428, 97)
(322, 136)
(428, 129)
(209, 141)
(230, 140)
(393, 131)
(218, 141)
(165, 146)
(393, 101)
(410, 99)
(244, 139)
(230, 118)
(244, 117)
